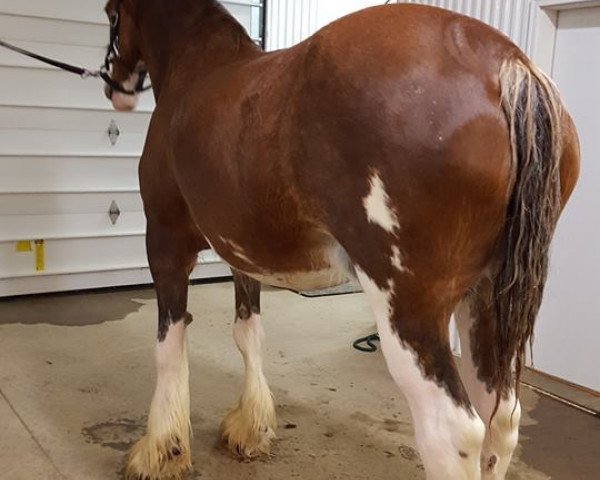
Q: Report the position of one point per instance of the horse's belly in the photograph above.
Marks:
(319, 267)
(305, 280)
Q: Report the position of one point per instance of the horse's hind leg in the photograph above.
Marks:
(164, 452)
(250, 427)
(474, 318)
(413, 329)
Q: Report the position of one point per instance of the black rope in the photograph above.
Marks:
(83, 72)
(367, 344)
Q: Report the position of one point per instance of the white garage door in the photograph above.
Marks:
(568, 332)
(59, 171)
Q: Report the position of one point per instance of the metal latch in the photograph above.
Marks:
(113, 132)
(114, 212)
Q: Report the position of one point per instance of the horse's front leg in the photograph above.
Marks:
(164, 452)
(250, 427)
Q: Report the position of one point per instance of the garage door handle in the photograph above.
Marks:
(114, 212)
(113, 132)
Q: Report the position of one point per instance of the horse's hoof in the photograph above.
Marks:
(153, 459)
(249, 437)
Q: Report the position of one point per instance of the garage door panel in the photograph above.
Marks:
(88, 57)
(67, 256)
(64, 119)
(24, 227)
(16, 29)
(67, 203)
(80, 255)
(89, 11)
(44, 142)
(87, 280)
(69, 174)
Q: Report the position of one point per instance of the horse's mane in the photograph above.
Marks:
(216, 8)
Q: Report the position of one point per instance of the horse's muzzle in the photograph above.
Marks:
(122, 102)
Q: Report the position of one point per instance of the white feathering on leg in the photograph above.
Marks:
(250, 427)
(165, 450)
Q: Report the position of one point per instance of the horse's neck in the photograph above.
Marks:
(195, 42)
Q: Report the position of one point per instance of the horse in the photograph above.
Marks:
(427, 157)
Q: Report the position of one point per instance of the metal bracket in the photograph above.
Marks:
(113, 132)
(114, 212)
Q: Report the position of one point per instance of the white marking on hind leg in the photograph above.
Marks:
(377, 205)
(502, 438)
(165, 450)
(449, 437)
(250, 427)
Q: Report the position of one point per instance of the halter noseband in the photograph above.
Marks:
(112, 53)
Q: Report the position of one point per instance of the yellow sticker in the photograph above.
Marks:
(23, 246)
(40, 262)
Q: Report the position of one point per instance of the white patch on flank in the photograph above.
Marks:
(250, 427)
(397, 260)
(501, 440)
(334, 269)
(169, 418)
(377, 205)
(442, 429)
(123, 102)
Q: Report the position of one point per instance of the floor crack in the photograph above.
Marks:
(31, 434)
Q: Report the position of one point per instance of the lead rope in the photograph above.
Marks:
(82, 72)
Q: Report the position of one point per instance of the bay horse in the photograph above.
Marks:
(417, 149)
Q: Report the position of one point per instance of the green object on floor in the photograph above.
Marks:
(367, 344)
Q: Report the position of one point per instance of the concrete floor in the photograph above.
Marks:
(77, 375)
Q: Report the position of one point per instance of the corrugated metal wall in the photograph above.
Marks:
(290, 21)
(516, 18)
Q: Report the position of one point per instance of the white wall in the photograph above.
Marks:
(568, 328)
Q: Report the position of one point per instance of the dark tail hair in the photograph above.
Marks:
(533, 109)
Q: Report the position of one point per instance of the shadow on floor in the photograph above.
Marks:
(74, 309)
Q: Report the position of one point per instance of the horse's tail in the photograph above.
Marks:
(533, 110)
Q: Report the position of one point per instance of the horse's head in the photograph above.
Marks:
(124, 66)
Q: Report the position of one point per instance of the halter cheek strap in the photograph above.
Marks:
(112, 53)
